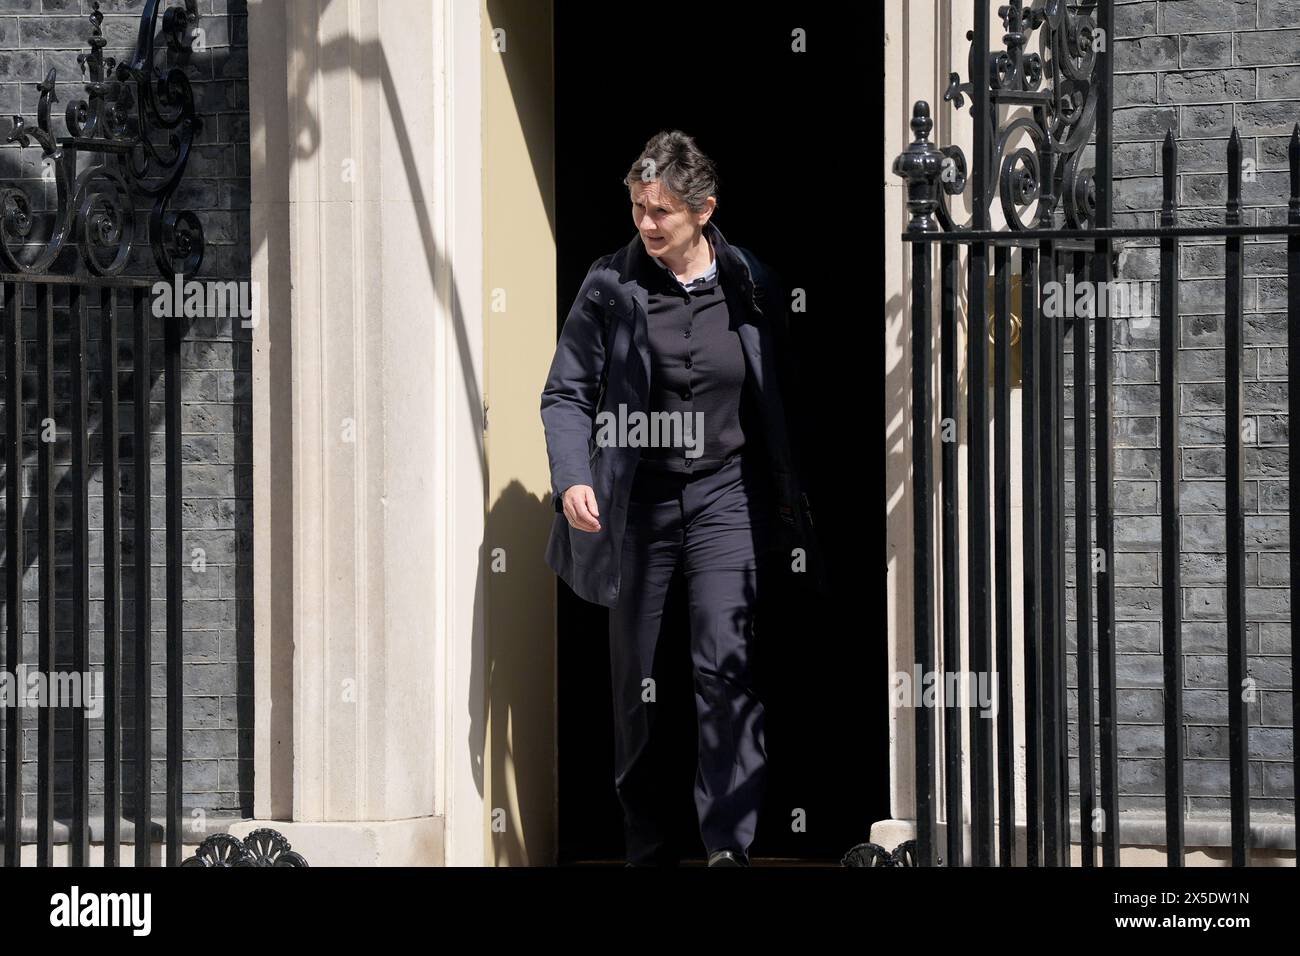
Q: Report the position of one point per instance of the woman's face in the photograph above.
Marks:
(667, 226)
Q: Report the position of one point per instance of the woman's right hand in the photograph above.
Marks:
(580, 508)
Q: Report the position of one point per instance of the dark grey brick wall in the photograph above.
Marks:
(1199, 67)
(36, 35)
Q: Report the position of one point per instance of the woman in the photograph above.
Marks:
(668, 449)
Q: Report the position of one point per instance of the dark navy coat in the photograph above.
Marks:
(612, 306)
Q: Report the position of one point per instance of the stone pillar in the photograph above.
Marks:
(368, 463)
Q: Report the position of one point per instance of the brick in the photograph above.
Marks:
(1209, 86)
(1279, 82)
(1206, 568)
(1132, 89)
(1144, 123)
(1199, 16)
(1208, 155)
(1267, 48)
(1146, 53)
(1135, 19)
(1279, 14)
(1205, 121)
(1204, 50)
(1256, 118)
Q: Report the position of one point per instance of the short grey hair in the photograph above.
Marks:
(672, 157)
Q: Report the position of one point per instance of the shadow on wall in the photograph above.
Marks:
(520, 682)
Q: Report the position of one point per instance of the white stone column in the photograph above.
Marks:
(368, 462)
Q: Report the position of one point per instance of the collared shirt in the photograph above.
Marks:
(697, 371)
(704, 276)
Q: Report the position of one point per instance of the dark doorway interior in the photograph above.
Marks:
(781, 126)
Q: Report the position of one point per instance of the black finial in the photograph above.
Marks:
(921, 165)
(921, 122)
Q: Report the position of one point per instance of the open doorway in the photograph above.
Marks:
(780, 125)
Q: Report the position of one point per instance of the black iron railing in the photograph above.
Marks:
(1033, 115)
(128, 141)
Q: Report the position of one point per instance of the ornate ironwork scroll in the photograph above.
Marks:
(262, 847)
(873, 854)
(137, 124)
(1056, 83)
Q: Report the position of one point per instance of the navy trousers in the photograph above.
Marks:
(716, 528)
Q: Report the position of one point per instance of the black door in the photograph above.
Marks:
(781, 127)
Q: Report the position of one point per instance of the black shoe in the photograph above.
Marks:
(728, 858)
